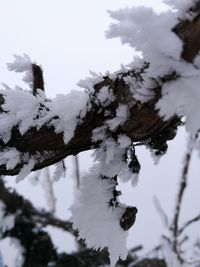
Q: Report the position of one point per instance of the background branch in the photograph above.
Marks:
(181, 191)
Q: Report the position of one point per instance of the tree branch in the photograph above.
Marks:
(143, 125)
(188, 223)
(181, 191)
(15, 202)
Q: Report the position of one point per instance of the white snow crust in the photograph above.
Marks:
(24, 110)
(96, 222)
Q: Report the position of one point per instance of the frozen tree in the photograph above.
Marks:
(143, 104)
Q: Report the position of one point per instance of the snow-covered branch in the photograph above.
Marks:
(46, 131)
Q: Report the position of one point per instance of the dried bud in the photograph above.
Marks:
(128, 218)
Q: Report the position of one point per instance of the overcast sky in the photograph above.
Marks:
(68, 39)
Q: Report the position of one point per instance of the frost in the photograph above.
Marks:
(121, 116)
(143, 34)
(182, 97)
(124, 141)
(97, 222)
(22, 64)
(59, 172)
(63, 112)
(9, 157)
(24, 115)
(26, 111)
(181, 5)
(47, 184)
(70, 109)
(125, 175)
(25, 171)
(89, 82)
(135, 179)
(159, 45)
(105, 96)
(99, 133)
(97, 212)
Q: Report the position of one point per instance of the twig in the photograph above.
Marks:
(47, 184)
(161, 212)
(77, 170)
(16, 203)
(46, 219)
(38, 81)
(188, 223)
(193, 261)
(135, 249)
(149, 253)
(181, 191)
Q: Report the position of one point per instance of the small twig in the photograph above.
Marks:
(181, 191)
(188, 223)
(46, 219)
(157, 248)
(161, 212)
(38, 81)
(64, 167)
(136, 249)
(192, 262)
(185, 239)
(77, 170)
(16, 203)
(47, 183)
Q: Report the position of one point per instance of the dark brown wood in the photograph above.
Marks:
(189, 32)
(38, 81)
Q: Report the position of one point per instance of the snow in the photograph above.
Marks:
(89, 82)
(70, 109)
(25, 171)
(24, 110)
(99, 133)
(180, 5)
(9, 157)
(122, 114)
(95, 218)
(105, 96)
(124, 141)
(22, 64)
(59, 172)
(98, 223)
(143, 34)
(64, 112)
(47, 184)
(159, 45)
(182, 97)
